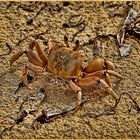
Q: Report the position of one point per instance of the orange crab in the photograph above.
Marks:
(66, 63)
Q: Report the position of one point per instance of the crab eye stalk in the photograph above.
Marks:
(77, 45)
(66, 40)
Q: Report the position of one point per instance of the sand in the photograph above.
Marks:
(17, 31)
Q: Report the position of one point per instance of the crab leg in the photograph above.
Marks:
(76, 89)
(94, 81)
(101, 74)
(117, 75)
(109, 90)
(39, 50)
(33, 68)
(24, 76)
(108, 80)
(33, 58)
(40, 59)
(16, 56)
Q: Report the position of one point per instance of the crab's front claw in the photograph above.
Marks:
(103, 74)
(99, 64)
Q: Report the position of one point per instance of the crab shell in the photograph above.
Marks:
(65, 62)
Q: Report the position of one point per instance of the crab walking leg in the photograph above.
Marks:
(16, 56)
(24, 75)
(109, 90)
(66, 41)
(33, 68)
(33, 58)
(31, 45)
(115, 74)
(39, 50)
(101, 74)
(108, 80)
(76, 89)
(94, 81)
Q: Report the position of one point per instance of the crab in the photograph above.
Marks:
(67, 63)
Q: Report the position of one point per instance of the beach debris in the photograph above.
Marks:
(131, 26)
(75, 21)
(21, 84)
(18, 119)
(21, 117)
(112, 109)
(125, 49)
(49, 115)
(9, 49)
(66, 3)
(30, 20)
